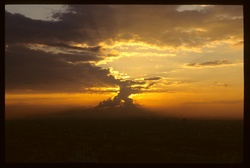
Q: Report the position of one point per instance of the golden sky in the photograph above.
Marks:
(175, 60)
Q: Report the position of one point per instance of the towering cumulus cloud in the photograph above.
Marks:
(127, 88)
(122, 98)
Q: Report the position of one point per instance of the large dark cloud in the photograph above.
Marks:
(154, 24)
(66, 71)
(80, 24)
(95, 23)
(20, 29)
(27, 69)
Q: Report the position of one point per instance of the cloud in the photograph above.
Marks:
(27, 69)
(239, 43)
(200, 8)
(220, 84)
(168, 82)
(63, 45)
(161, 25)
(154, 78)
(165, 26)
(113, 53)
(96, 23)
(72, 68)
(210, 63)
(72, 28)
(41, 55)
(127, 88)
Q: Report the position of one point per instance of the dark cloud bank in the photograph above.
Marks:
(38, 70)
(28, 69)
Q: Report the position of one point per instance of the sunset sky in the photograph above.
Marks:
(174, 60)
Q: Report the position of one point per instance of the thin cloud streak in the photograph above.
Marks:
(210, 63)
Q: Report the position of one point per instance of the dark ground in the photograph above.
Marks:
(144, 140)
(122, 135)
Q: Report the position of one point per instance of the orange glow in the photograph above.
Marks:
(84, 99)
(194, 105)
(201, 102)
(23, 105)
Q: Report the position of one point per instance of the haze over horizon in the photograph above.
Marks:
(173, 60)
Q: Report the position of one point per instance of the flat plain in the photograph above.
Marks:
(123, 140)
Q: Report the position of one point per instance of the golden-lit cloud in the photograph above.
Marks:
(239, 43)
(101, 89)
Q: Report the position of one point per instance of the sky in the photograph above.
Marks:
(174, 60)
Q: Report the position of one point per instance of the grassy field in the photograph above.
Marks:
(143, 140)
